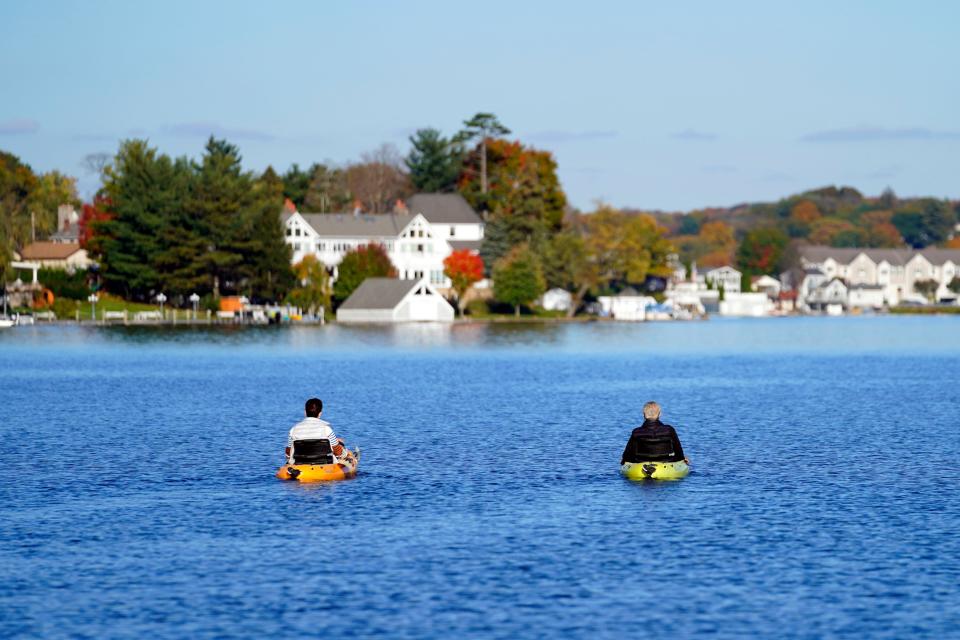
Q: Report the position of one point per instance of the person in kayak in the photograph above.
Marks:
(653, 440)
(313, 428)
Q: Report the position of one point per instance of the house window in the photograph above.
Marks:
(420, 248)
(296, 246)
(453, 231)
(297, 232)
(289, 232)
(420, 233)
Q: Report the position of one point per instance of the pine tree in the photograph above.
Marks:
(434, 162)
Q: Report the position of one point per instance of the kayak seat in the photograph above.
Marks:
(316, 451)
(658, 449)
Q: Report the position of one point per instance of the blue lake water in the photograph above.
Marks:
(138, 497)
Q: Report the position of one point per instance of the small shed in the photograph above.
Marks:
(557, 300)
(392, 300)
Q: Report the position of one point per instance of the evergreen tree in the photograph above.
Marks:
(145, 191)
(296, 183)
(434, 162)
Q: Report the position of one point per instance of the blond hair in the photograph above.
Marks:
(651, 411)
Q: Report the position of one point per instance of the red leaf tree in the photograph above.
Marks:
(464, 268)
(97, 211)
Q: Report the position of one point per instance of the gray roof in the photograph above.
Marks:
(472, 245)
(938, 256)
(379, 293)
(443, 208)
(66, 235)
(349, 225)
(871, 287)
(845, 255)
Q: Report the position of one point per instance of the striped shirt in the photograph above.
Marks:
(311, 429)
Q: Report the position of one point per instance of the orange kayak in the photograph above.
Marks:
(343, 470)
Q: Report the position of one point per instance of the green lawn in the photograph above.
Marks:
(931, 310)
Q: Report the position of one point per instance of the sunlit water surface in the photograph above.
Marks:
(138, 496)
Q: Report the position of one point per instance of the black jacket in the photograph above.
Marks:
(653, 440)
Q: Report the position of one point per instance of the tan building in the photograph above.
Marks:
(56, 255)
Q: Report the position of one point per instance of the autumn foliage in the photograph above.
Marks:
(464, 268)
(92, 213)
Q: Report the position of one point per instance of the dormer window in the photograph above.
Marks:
(453, 231)
(289, 232)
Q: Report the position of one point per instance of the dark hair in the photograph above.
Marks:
(314, 407)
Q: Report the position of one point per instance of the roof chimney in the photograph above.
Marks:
(357, 208)
(400, 206)
(289, 206)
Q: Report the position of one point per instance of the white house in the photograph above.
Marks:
(736, 303)
(766, 284)
(557, 300)
(829, 296)
(725, 277)
(417, 236)
(392, 300)
(627, 305)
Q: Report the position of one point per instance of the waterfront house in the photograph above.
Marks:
(726, 278)
(766, 284)
(896, 271)
(753, 304)
(417, 235)
(393, 300)
(829, 297)
(628, 305)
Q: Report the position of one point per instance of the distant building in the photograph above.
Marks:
(557, 300)
(628, 305)
(829, 295)
(896, 271)
(865, 296)
(766, 284)
(56, 255)
(725, 277)
(417, 235)
(737, 303)
(392, 300)
(68, 225)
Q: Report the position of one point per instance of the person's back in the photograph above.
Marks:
(313, 428)
(653, 440)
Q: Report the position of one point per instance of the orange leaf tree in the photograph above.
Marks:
(464, 268)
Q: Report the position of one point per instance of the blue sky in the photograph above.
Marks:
(669, 105)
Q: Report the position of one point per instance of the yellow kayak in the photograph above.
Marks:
(655, 470)
(343, 470)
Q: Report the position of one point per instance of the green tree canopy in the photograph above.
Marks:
(518, 279)
(925, 223)
(434, 162)
(368, 261)
(761, 251)
(182, 227)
